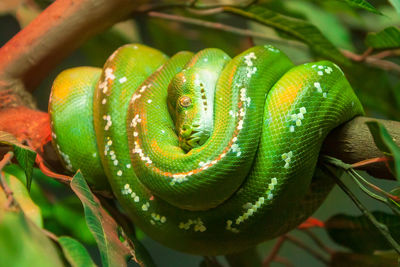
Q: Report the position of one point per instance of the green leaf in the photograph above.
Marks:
(24, 154)
(22, 243)
(327, 22)
(22, 197)
(26, 158)
(103, 227)
(363, 4)
(58, 206)
(343, 259)
(395, 4)
(385, 143)
(359, 234)
(172, 37)
(75, 252)
(65, 211)
(387, 38)
(298, 29)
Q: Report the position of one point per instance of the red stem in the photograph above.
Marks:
(370, 161)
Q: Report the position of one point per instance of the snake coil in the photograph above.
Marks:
(206, 154)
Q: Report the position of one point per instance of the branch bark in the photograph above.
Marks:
(30, 55)
(352, 142)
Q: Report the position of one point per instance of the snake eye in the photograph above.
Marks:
(185, 101)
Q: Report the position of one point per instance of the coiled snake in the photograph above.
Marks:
(206, 154)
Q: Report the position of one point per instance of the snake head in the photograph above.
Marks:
(190, 104)
(191, 128)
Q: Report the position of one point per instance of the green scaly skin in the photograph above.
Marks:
(206, 154)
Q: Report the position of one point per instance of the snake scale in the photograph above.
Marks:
(206, 154)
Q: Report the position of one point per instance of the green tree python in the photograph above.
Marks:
(206, 154)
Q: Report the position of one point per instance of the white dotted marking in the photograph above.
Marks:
(248, 59)
(198, 225)
(145, 207)
(158, 218)
(287, 157)
(109, 74)
(296, 118)
(122, 80)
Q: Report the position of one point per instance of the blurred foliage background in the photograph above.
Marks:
(346, 24)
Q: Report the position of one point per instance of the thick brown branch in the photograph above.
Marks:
(352, 142)
(29, 56)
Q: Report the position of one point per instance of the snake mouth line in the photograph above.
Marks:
(191, 137)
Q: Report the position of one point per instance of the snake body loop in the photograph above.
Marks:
(206, 154)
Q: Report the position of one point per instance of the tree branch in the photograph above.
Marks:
(352, 142)
(30, 55)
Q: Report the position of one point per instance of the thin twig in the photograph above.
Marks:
(357, 57)
(365, 190)
(192, 5)
(348, 168)
(50, 234)
(387, 53)
(316, 254)
(370, 161)
(223, 27)
(372, 61)
(311, 223)
(205, 12)
(60, 177)
(275, 250)
(374, 187)
(318, 241)
(9, 194)
(382, 228)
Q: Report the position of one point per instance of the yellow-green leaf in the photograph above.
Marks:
(385, 143)
(24, 155)
(385, 39)
(21, 195)
(75, 252)
(363, 4)
(296, 28)
(103, 227)
(22, 243)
